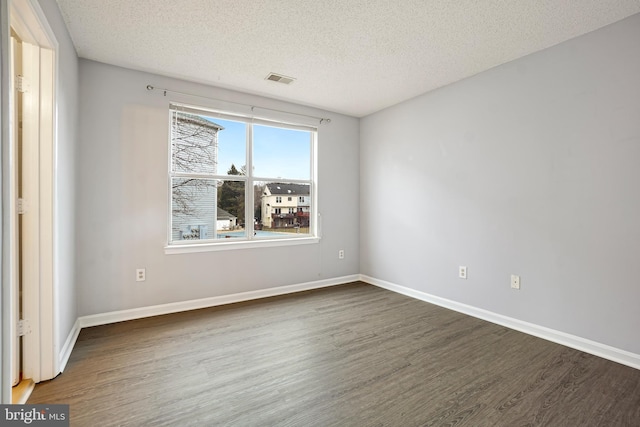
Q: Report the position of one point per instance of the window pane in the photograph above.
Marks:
(193, 208)
(281, 153)
(231, 212)
(207, 145)
(204, 209)
(279, 217)
(193, 143)
(232, 147)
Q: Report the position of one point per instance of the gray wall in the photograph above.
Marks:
(530, 168)
(66, 178)
(123, 202)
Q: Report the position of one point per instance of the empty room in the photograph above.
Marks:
(299, 213)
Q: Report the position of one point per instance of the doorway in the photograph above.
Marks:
(30, 190)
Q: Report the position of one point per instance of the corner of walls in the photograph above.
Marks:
(588, 346)
(157, 310)
(529, 169)
(67, 348)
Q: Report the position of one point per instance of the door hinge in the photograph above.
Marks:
(24, 327)
(22, 84)
(22, 206)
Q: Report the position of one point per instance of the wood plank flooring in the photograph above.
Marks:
(351, 355)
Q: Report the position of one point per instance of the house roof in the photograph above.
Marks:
(222, 214)
(192, 118)
(296, 189)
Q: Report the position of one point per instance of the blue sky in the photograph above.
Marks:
(278, 153)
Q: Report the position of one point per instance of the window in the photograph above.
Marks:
(288, 199)
(301, 199)
(226, 173)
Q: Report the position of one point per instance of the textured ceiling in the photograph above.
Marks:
(348, 56)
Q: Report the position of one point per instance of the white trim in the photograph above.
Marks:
(175, 307)
(48, 342)
(179, 248)
(592, 347)
(65, 353)
(30, 22)
(13, 229)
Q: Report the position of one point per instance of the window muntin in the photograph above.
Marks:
(209, 178)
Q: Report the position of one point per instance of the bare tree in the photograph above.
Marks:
(194, 150)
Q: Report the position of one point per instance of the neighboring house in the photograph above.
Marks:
(285, 205)
(195, 150)
(226, 221)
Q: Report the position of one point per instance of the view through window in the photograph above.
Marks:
(235, 178)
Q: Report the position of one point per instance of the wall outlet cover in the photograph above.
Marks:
(515, 282)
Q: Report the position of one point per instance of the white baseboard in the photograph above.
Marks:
(65, 353)
(598, 349)
(156, 310)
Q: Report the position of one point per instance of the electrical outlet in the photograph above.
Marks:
(141, 275)
(462, 272)
(515, 282)
(341, 254)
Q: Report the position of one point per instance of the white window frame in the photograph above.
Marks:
(189, 246)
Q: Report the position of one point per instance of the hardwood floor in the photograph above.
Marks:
(351, 355)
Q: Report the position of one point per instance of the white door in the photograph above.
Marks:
(28, 179)
(25, 233)
(15, 70)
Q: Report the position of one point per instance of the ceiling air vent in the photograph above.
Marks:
(280, 78)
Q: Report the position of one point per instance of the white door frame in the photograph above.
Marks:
(40, 355)
(13, 209)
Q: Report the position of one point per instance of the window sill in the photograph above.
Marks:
(245, 244)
